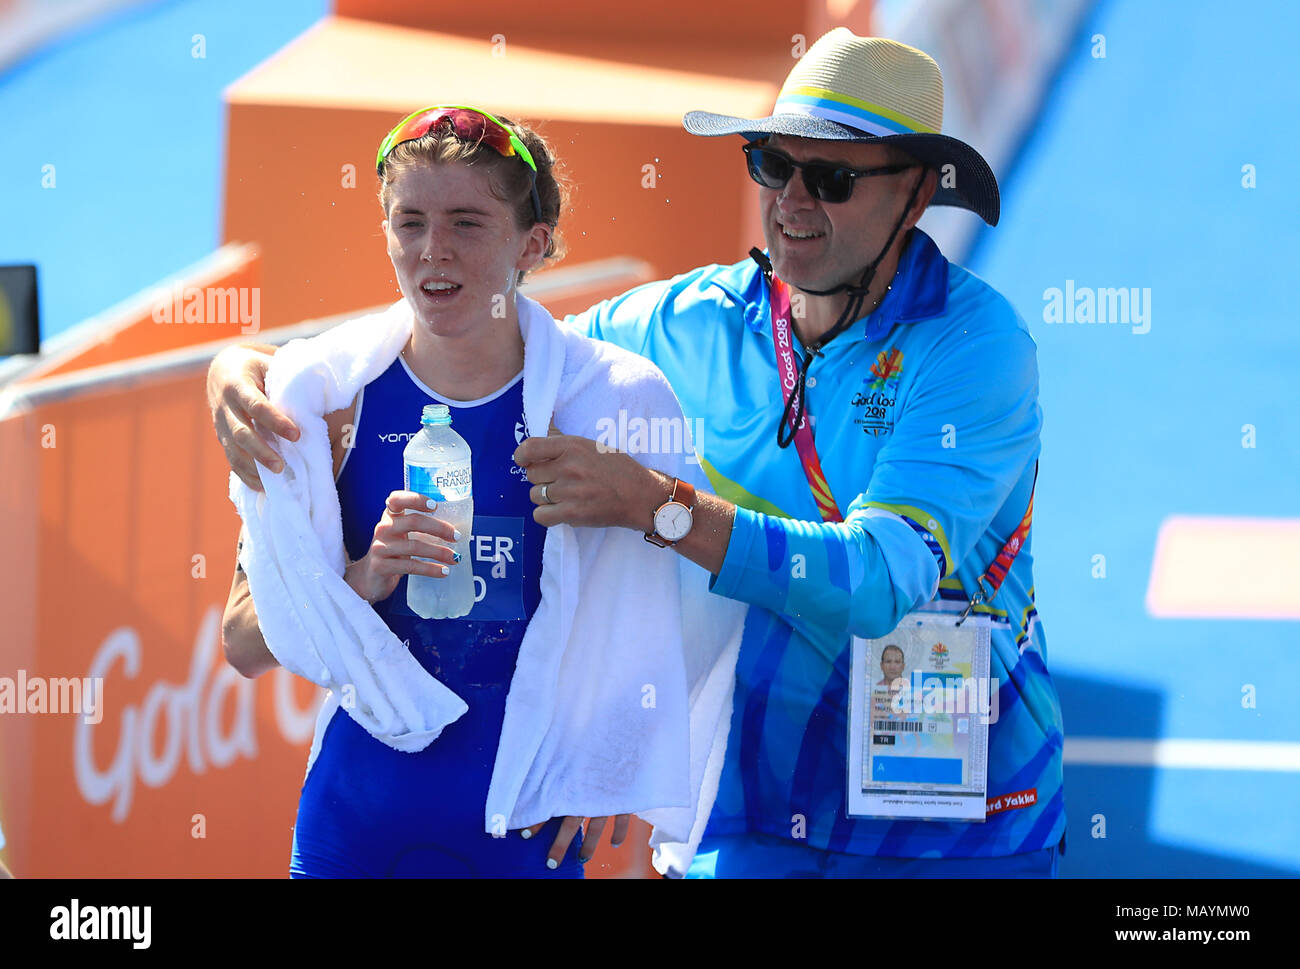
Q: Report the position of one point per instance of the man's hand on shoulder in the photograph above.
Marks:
(241, 414)
(577, 481)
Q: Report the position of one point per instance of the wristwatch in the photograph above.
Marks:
(673, 519)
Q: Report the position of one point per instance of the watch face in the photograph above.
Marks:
(673, 521)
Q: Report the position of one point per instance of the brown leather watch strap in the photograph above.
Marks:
(684, 494)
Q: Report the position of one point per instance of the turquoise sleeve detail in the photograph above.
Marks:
(965, 440)
(860, 576)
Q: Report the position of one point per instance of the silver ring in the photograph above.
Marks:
(545, 497)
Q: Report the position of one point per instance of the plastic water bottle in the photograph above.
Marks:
(438, 465)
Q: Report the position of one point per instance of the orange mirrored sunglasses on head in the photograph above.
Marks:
(468, 124)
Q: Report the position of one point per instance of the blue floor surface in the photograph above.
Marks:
(1134, 178)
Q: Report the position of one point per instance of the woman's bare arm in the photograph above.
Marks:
(241, 636)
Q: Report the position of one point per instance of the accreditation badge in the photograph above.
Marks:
(921, 705)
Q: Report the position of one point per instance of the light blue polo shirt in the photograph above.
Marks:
(926, 421)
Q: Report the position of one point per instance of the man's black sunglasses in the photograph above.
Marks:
(825, 182)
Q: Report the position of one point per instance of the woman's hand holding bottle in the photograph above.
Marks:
(406, 530)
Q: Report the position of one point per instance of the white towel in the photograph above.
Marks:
(623, 682)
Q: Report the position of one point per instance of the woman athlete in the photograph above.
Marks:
(471, 204)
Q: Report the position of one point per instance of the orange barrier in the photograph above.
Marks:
(115, 492)
(304, 126)
(573, 288)
(755, 23)
(217, 298)
(726, 38)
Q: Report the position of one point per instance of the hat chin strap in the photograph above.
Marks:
(858, 293)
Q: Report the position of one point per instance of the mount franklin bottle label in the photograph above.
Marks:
(452, 482)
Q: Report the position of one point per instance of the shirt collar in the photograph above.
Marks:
(919, 292)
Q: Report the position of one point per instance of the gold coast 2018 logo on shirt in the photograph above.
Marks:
(878, 395)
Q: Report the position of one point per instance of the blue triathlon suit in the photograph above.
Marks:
(368, 810)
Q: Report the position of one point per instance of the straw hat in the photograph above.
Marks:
(869, 89)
